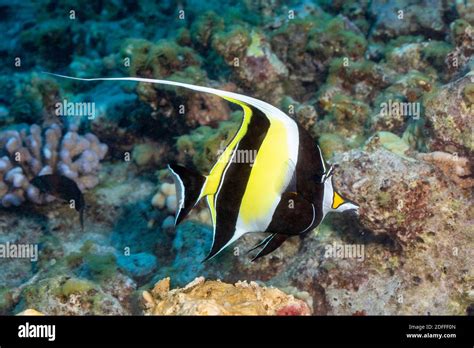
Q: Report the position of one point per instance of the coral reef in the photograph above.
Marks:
(205, 297)
(29, 97)
(455, 167)
(460, 60)
(407, 17)
(307, 46)
(426, 57)
(157, 60)
(190, 245)
(413, 233)
(165, 197)
(138, 265)
(33, 151)
(202, 146)
(30, 312)
(304, 113)
(407, 200)
(256, 67)
(449, 112)
(62, 295)
(166, 59)
(150, 154)
(165, 201)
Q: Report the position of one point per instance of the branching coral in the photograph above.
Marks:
(33, 151)
(165, 200)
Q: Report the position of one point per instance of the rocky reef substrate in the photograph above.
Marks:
(388, 95)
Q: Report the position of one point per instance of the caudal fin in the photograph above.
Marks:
(189, 185)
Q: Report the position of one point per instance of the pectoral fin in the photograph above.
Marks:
(294, 215)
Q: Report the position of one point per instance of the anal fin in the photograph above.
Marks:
(273, 242)
(261, 243)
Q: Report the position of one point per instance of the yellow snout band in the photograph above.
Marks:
(337, 200)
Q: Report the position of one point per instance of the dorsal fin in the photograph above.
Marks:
(269, 110)
(189, 185)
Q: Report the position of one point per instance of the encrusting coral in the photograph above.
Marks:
(32, 151)
(455, 167)
(461, 58)
(68, 295)
(407, 201)
(165, 200)
(449, 112)
(205, 297)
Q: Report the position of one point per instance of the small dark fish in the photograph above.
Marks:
(63, 188)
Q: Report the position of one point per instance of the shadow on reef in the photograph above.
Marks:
(348, 228)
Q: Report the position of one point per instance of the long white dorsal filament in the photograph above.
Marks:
(269, 110)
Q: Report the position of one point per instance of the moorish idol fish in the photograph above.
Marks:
(286, 190)
(62, 188)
